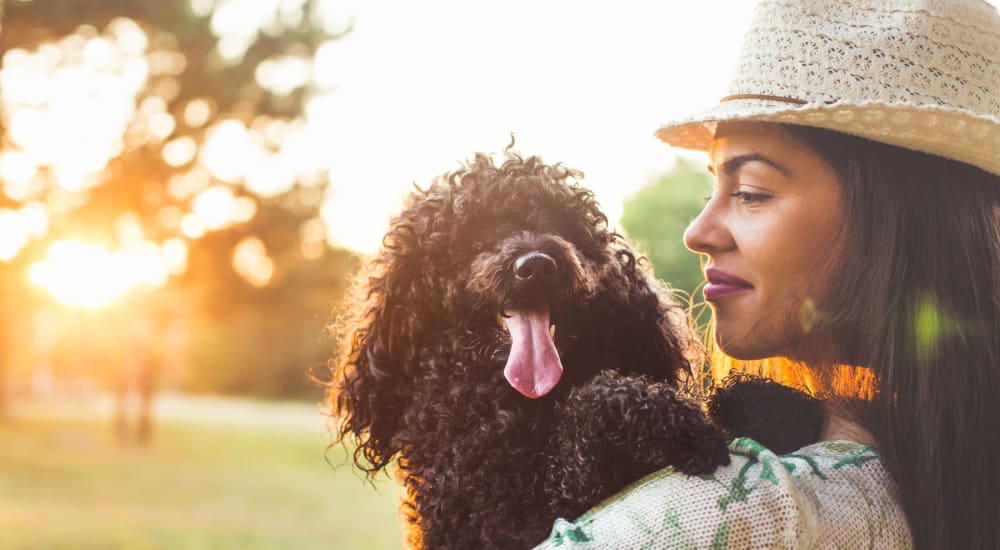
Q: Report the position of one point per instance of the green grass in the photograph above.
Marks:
(219, 473)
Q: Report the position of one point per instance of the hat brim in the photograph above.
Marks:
(952, 133)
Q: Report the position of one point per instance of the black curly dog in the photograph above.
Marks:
(512, 355)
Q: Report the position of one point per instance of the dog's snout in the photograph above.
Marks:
(535, 266)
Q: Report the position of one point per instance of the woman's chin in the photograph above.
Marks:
(742, 348)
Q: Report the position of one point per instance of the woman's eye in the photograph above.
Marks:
(749, 198)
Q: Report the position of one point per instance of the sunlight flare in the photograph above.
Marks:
(90, 276)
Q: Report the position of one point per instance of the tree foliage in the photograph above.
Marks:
(192, 76)
(656, 216)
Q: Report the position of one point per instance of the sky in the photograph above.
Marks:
(420, 86)
(413, 89)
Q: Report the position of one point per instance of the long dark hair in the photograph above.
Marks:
(921, 249)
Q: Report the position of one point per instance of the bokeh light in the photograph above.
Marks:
(18, 227)
(251, 262)
(227, 149)
(67, 104)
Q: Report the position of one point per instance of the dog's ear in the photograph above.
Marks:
(374, 378)
(651, 326)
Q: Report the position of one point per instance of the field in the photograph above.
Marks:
(218, 474)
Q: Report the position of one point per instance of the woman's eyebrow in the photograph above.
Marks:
(731, 166)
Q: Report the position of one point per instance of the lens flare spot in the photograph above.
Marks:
(931, 324)
(809, 315)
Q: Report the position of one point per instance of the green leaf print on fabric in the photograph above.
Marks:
(721, 538)
(856, 459)
(738, 490)
(671, 519)
(747, 446)
(636, 518)
(676, 534)
(767, 472)
(566, 532)
(816, 470)
(838, 447)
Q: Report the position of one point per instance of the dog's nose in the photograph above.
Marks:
(535, 266)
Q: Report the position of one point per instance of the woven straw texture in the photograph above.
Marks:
(922, 74)
(833, 494)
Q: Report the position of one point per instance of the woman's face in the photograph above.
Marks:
(770, 223)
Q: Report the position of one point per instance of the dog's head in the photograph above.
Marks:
(511, 267)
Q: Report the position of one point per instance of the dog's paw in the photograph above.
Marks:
(778, 417)
(617, 428)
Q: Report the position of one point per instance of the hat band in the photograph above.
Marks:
(764, 97)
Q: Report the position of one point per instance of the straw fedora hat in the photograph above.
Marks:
(920, 74)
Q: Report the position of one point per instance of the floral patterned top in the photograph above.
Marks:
(832, 494)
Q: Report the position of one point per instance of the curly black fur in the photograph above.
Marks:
(616, 427)
(421, 378)
(781, 418)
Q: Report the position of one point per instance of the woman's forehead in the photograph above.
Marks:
(739, 137)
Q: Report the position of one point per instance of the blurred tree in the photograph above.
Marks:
(656, 216)
(175, 131)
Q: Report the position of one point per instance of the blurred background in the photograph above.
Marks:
(188, 186)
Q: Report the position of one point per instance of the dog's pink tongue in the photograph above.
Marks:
(533, 367)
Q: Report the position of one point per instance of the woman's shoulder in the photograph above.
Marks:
(829, 494)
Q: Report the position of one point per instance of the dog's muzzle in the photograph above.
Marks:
(533, 366)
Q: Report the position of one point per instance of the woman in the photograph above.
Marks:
(852, 244)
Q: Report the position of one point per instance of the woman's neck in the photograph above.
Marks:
(837, 427)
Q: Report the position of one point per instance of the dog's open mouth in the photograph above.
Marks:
(533, 366)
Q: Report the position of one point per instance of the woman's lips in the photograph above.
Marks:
(717, 292)
(722, 284)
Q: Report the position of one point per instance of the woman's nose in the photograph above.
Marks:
(708, 234)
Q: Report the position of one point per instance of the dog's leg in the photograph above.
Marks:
(617, 428)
